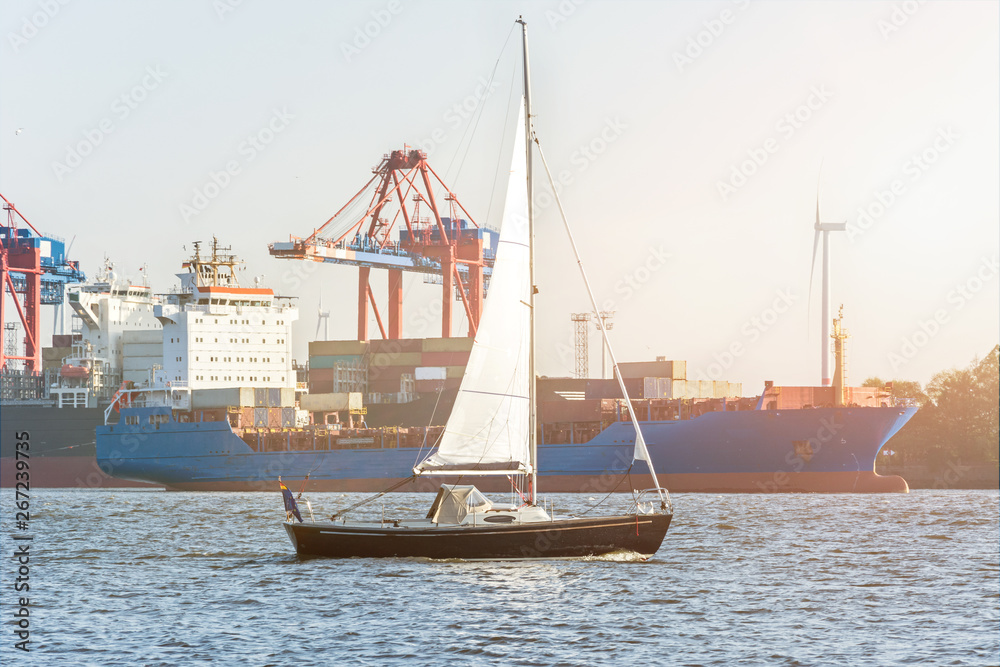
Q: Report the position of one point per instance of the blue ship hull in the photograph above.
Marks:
(809, 450)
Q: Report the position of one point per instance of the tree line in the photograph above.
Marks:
(958, 416)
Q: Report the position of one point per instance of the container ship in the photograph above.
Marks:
(114, 338)
(226, 413)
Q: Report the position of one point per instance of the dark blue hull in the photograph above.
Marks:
(821, 449)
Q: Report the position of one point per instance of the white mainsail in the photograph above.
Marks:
(489, 427)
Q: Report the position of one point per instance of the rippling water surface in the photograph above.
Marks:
(150, 577)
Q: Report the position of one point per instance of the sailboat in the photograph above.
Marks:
(492, 431)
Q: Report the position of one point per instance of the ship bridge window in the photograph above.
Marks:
(203, 302)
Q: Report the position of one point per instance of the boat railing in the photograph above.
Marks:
(652, 501)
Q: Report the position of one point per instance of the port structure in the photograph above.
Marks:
(436, 237)
(580, 336)
(34, 271)
(602, 322)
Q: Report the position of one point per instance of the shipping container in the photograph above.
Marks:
(447, 344)
(570, 411)
(430, 373)
(662, 369)
(337, 347)
(321, 387)
(611, 388)
(388, 385)
(287, 397)
(445, 358)
(329, 361)
(433, 386)
(288, 417)
(225, 397)
(260, 397)
(66, 340)
(321, 375)
(260, 417)
(397, 346)
(331, 402)
(549, 389)
(389, 372)
(274, 397)
(455, 372)
(390, 359)
(56, 353)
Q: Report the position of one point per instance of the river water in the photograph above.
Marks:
(136, 577)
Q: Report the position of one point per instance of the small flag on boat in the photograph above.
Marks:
(290, 506)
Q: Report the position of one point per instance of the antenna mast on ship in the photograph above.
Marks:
(211, 272)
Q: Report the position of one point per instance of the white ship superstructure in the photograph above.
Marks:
(108, 313)
(219, 334)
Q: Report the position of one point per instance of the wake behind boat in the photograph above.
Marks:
(492, 431)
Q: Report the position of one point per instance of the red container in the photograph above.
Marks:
(383, 386)
(381, 373)
(429, 386)
(444, 359)
(570, 411)
(321, 387)
(320, 375)
(394, 346)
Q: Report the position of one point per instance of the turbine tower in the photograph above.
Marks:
(825, 228)
(322, 319)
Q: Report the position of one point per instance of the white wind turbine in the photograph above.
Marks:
(322, 319)
(825, 228)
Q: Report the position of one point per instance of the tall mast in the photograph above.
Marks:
(533, 418)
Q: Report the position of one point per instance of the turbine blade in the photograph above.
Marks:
(812, 270)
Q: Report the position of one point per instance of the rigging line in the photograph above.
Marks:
(423, 443)
(640, 451)
(479, 113)
(601, 501)
(375, 497)
(503, 142)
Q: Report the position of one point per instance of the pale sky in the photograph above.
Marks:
(691, 135)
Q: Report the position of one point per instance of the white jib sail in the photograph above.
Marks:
(488, 429)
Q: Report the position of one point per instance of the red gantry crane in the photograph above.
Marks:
(34, 271)
(433, 239)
